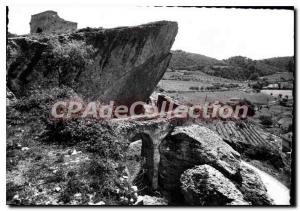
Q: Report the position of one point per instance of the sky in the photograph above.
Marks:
(216, 32)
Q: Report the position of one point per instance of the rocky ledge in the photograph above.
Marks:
(122, 64)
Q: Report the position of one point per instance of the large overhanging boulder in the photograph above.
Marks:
(122, 64)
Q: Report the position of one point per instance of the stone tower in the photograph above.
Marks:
(50, 22)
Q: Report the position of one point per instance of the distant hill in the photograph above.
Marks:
(286, 62)
(185, 60)
(237, 67)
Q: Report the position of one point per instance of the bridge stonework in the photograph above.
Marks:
(152, 133)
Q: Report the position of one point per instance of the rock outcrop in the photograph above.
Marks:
(151, 201)
(252, 187)
(10, 97)
(50, 22)
(204, 185)
(192, 145)
(122, 64)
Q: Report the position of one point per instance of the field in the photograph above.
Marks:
(253, 139)
(179, 90)
(177, 85)
(286, 76)
(198, 97)
(188, 75)
(276, 93)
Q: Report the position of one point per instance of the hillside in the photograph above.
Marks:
(281, 76)
(185, 60)
(237, 67)
(281, 62)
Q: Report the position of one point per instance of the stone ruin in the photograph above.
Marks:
(50, 22)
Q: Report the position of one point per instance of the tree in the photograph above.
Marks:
(70, 59)
(257, 86)
(266, 120)
(291, 66)
(253, 76)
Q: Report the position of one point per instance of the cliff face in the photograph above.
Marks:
(122, 64)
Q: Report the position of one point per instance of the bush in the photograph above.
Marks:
(43, 99)
(266, 120)
(69, 59)
(92, 136)
(254, 76)
(257, 86)
(194, 88)
(265, 153)
(103, 171)
(73, 187)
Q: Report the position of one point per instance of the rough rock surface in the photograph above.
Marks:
(50, 22)
(192, 145)
(151, 200)
(122, 64)
(204, 185)
(10, 97)
(253, 188)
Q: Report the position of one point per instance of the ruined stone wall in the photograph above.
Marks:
(50, 22)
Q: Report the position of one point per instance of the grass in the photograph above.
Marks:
(56, 177)
(42, 168)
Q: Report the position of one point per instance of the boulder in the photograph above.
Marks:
(22, 55)
(10, 97)
(192, 145)
(122, 64)
(252, 187)
(151, 200)
(204, 185)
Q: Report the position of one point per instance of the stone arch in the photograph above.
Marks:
(151, 133)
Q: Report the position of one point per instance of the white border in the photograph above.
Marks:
(3, 3)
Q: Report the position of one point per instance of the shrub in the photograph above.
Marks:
(102, 173)
(194, 88)
(254, 76)
(266, 120)
(265, 153)
(92, 136)
(69, 59)
(73, 187)
(43, 99)
(257, 86)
